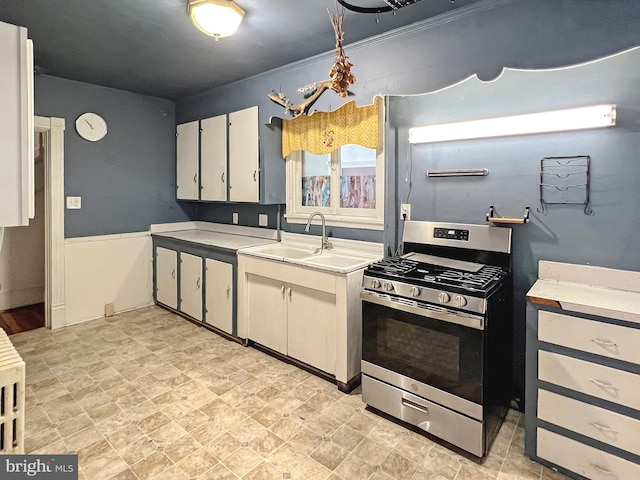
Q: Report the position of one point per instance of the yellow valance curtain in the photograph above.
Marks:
(323, 132)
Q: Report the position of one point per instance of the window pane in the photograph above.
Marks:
(316, 180)
(357, 177)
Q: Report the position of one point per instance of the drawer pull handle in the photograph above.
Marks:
(415, 406)
(282, 289)
(173, 273)
(604, 428)
(604, 471)
(604, 343)
(198, 283)
(604, 385)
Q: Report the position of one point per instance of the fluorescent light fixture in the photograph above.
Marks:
(556, 121)
(216, 18)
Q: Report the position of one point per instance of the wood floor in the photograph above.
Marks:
(22, 319)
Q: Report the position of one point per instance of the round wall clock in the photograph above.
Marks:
(91, 126)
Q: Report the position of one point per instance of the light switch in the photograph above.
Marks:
(74, 203)
(263, 220)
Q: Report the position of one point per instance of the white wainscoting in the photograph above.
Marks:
(107, 269)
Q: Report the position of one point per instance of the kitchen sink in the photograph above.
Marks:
(286, 252)
(333, 260)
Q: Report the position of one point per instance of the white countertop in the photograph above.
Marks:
(586, 289)
(231, 237)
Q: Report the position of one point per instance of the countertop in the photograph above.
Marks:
(230, 237)
(587, 289)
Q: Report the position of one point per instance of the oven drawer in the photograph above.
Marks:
(439, 421)
(590, 336)
(583, 459)
(595, 422)
(597, 380)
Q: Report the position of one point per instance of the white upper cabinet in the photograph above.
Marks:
(187, 152)
(213, 162)
(244, 157)
(16, 126)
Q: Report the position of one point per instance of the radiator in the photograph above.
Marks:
(12, 381)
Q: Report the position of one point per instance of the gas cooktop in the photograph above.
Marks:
(470, 277)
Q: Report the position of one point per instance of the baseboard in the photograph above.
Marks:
(21, 298)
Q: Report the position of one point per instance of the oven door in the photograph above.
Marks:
(440, 348)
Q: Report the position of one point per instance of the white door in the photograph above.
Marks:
(191, 285)
(219, 295)
(312, 327)
(244, 156)
(267, 312)
(213, 164)
(187, 150)
(166, 277)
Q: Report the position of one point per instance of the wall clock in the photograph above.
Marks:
(91, 126)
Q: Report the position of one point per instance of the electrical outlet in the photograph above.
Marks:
(263, 220)
(74, 203)
(405, 211)
(108, 310)
(235, 218)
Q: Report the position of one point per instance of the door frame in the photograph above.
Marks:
(52, 130)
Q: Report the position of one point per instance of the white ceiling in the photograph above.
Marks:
(151, 47)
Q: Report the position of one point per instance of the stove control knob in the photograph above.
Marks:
(459, 301)
(388, 286)
(415, 291)
(443, 297)
(375, 283)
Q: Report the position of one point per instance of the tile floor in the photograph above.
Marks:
(149, 395)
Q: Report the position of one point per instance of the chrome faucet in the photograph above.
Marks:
(326, 244)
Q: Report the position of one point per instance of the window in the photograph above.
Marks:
(346, 185)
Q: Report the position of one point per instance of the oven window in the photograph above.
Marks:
(420, 349)
(437, 353)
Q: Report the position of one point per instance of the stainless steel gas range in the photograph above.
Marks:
(437, 327)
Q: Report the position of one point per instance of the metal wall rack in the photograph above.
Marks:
(564, 181)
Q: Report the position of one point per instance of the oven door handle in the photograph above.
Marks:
(459, 318)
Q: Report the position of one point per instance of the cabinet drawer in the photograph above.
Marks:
(590, 336)
(589, 378)
(595, 422)
(583, 459)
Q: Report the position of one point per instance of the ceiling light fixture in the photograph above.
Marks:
(216, 18)
(544, 122)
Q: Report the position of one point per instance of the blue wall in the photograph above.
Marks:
(431, 55)
(127, 179)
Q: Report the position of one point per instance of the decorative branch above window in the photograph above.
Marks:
(323, 132)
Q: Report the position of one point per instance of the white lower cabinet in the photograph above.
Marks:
(167, 277)
(293, 320)
(267, 312)
(311, 327)
(219, 295)
(310, 315)
(191, 285)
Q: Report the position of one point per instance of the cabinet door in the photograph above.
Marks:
(244, 156)
(213, 164)
(312, 327)
(187, 152)
(191, 285)
(166, 277)
(17, 199)
(267, 312)
(219, 295)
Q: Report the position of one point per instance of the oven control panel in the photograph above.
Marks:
(451, 234)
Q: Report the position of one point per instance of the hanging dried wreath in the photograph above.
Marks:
(340, 76)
